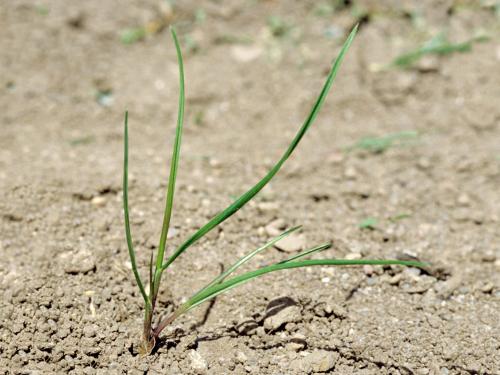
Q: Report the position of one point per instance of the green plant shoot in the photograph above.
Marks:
(225, 281)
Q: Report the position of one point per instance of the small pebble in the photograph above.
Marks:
(395, 279)
(287, 315)
(98, 201)
(463, 200)
(295, 346)
(241, 357)
(89, 330)
(268, 206)
(428, 64)
(412, 272)
(350, 173)
(317, 361)
(489, 257)
(172, 232)
(336, 158)
(245, 54)
(423, 163)
(291, 243)
(247, 326)
(446, 288)
(352, 256)
(368, 270)
(81, 262)
(198, 363)
(92, 350)
(487, 288)
(260, 331)
(214, 163)
(275, 227)
(422, 371)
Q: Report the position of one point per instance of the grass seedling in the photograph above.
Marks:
(368, 223)
(378, 145)
(439, 45)
(226, 280)
(133, 35)
(372, 223)
(279, 28)
(152, 27)
(399, 217)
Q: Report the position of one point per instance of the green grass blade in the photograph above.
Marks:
(131, 251)
(308, 252)
(174, 163)
(438, 45)
(381, 144)
(242, 200)
(249, 256)
(241, 279)
(151, 272)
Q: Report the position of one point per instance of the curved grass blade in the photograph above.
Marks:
(247, 257)
(182, 309)
(243, 199)
(215, 290)
(308, 252)
(174, 163)
(131, 251)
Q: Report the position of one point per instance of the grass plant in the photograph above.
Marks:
(379, 145)
(439, 45)
(225, 281)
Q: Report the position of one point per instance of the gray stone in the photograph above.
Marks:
(317, 361)
(81, 262)
(90, 330)
(275, 227)
(291, 243)
(289, 314)
(198, 363)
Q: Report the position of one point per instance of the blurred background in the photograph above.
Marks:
(69, 69)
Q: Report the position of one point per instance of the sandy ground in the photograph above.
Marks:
(69, 303)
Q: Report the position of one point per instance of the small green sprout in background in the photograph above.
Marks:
(359, 12)
(199, 118)
(191, 45)
(378, 145)
(104, 97)
(82, 140)
(42, 10)
(418, 20)
(323, 9)
(328, 7)
(133, 35)
(232, 39)
(372, 223)
(200, 15)
(225, 281)
(368, 223)
(278, 26)
(399, 217)
(152, 27)
(438, 45)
